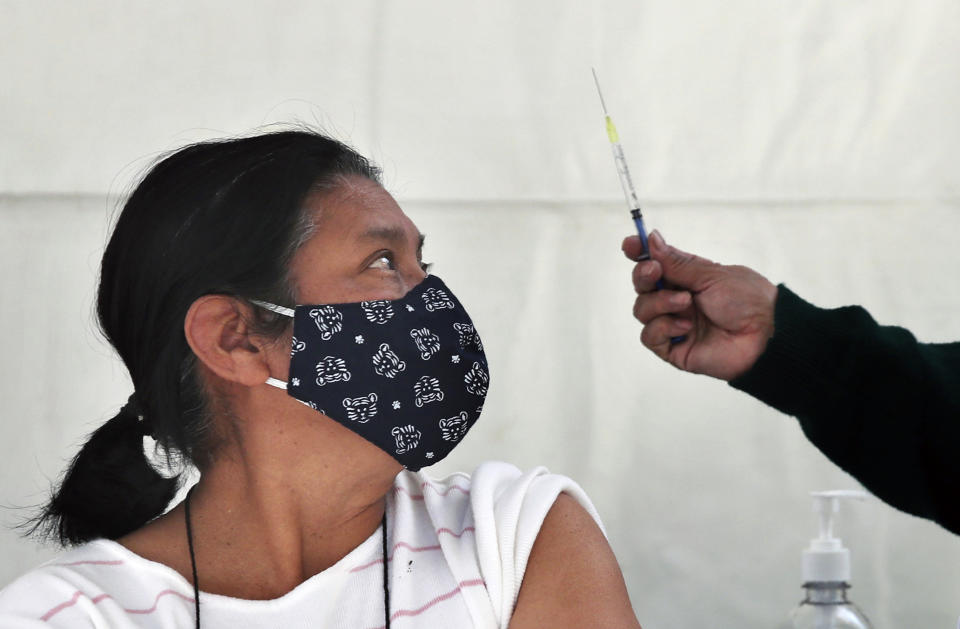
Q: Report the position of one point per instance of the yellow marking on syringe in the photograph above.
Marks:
(612, 131)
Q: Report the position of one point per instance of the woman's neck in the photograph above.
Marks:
(276, 510)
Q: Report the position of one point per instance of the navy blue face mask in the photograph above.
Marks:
(408, 375)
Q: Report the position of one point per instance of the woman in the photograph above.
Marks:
(270, 302)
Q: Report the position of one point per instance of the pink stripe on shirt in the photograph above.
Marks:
(465, 492)
(435, 601)
(460, 534)
(93, 562)
(415, 549)
(62, 606)
(102, 597)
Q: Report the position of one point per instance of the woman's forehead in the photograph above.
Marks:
(360, 212)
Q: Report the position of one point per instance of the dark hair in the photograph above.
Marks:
(219, 217)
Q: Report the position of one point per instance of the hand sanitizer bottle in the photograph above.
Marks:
(826, 573)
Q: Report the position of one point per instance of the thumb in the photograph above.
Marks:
(679, 267)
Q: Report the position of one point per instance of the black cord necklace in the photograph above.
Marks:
(193, 558)
(386, 586)
(196, 582)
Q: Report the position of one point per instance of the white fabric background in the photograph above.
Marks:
(817, 141)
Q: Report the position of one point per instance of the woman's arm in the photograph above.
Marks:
(572, 578)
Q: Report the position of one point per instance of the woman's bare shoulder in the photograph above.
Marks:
(572, 577)
(162, 540)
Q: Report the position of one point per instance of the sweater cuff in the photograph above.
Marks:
(793, 368)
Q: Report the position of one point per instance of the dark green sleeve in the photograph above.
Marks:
(879, 404)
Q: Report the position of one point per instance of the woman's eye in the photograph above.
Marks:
(384, 263)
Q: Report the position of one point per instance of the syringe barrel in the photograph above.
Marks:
(626, 182)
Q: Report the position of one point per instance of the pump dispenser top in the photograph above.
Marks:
(826, 559)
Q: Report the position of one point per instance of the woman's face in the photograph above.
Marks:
(364, 247)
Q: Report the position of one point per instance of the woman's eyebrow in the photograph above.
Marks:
(394, 234)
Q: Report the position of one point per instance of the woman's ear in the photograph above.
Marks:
(217, 331)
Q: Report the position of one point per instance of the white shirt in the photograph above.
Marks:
(458, 549)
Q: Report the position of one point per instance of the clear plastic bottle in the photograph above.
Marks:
(826, 607)
(826, 573)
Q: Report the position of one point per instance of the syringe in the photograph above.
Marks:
(629, 193)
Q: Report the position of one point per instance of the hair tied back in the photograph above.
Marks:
(133, 410)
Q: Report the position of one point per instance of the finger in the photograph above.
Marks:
(645, 275)
(656, 335)
(652, 305)
(682, 268)
(632, 247)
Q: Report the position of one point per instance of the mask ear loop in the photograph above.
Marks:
(287, 312)
(280, 384)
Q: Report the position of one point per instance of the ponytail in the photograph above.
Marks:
(110, 489)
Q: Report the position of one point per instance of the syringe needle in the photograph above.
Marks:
(597, 82)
